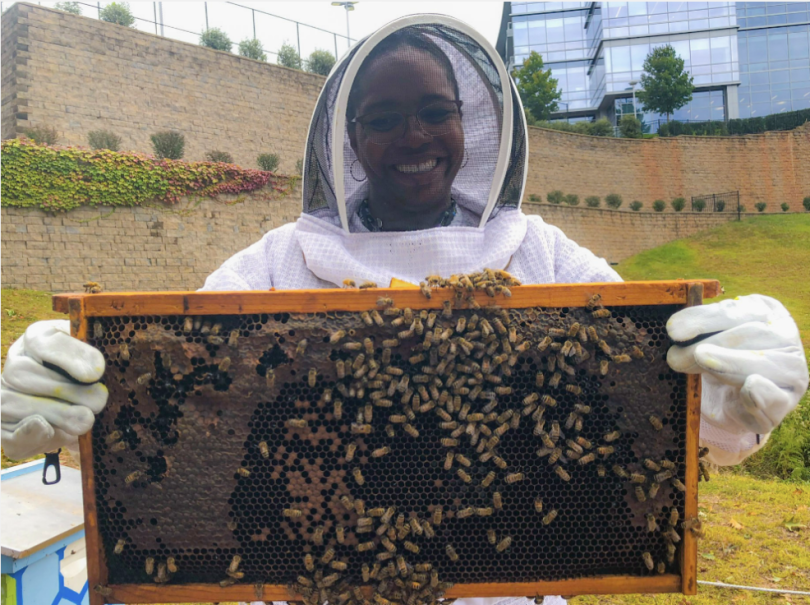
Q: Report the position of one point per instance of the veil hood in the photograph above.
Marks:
(488, 188)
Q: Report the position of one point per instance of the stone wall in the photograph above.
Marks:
(616, 235)
(79, 74)
(134, 248)
(769, 167)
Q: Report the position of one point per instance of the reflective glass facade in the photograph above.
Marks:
(746, 58)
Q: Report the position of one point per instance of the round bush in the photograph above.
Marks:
(43, 135)
(168, 144)
(659, 205)
(760, 206)
(555, 197)
(572, 199)
(104, 139)
(630, 127)
(614, 200)
(252, 49)
(320, 62)
(288, 57)
(118, 13)
(216, 38)
(785, 206)
(602, 128)
(699, 205)
(636, 206)
(533, 197)
(806, 203)
(219, 156)
(678, 204)
(719, 205)
(268, 161)
(592, 201)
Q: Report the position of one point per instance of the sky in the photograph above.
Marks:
(184, 20)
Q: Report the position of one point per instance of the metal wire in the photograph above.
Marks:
(755, 588)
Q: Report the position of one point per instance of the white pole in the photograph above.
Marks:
(348, 36)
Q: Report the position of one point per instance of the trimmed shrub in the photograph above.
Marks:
(602, 128)
(630, 127)
(268, 161)
(103, 139)
(719, 205)
(60, 179)
(69, 7)
(785, 206)
(699, 205)
(118, 13)
(216, 38)
(320, 62)
(777, 121)
(592, 201)
(168, 144)
(614, 200)
(219, 156)
(678, 204)
(533, 197)
(572, 199)
(288, 57)
(636, 206)
(806, 203)
(44, 135)
(555, 197)
(252, 49)
(659, 205)
(582, 127)
(760, 206)
(663, 130)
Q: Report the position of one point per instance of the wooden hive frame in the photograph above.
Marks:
(83, 307)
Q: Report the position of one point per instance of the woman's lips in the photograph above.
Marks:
(418, 168)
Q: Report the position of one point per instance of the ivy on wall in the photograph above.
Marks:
(60, 179)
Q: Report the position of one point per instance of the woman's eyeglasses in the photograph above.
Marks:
(435, 119)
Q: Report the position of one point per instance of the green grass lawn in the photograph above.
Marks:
(760, 255)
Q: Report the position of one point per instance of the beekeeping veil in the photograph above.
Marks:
(488, 227)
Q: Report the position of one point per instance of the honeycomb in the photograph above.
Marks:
(399, 449)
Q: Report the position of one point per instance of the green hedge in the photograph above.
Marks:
(777, 121)
(54, 178)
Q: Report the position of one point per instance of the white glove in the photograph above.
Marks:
(42, 409)
(754, 368)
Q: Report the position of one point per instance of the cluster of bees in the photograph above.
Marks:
(455, 371)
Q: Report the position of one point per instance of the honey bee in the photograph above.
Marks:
(119, 446)
(243, 471)
(270, 379)
(538, 505)
(292, 513)
(678, 484)
(554, 381)
(162, 575)
(301, 347)
(514, 478)
(640, 495)
(601, 313)
(704, 470)
(504, 544)
(451, 553)
(463, 475)
(621, 358)
(587, 459)
(648, 561)
(653, 491)
(358, 476)
(497, 500)
(662, 476)
(411, 430)
(297, 423)
(133, 477)
(377, 318)
(601, 471)
(144, 378)
(593, 301)
(610, 437)
(621, 472)
(651, 523)
(552, 514)
(605, 450)
(149, 566)
(230, 582)
(349, 283)
(447, 309)
(638, 478)
(650, 465)
(123, 352)
(171, 565)
(119, 546)
(562, 473)
(554, 433)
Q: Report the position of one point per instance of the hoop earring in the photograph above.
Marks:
(351, 171)
(466, 159)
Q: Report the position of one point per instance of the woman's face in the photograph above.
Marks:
(418, 169)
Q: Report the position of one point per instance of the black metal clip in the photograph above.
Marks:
(52, 460)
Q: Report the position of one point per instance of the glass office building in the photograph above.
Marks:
(746, 58)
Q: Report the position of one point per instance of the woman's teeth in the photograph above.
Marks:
(413, 168)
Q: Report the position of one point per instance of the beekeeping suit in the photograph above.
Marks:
(754, 366)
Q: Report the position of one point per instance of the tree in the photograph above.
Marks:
(289, 57)
(537, 89)
(252, 49)
(69, 7)
(320, 62)
(665, 85)
(117, 12)
(216, 38)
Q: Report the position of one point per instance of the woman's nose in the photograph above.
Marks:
(414, 135)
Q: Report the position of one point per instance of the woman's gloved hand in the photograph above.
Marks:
(50, 390)
(754, 360)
